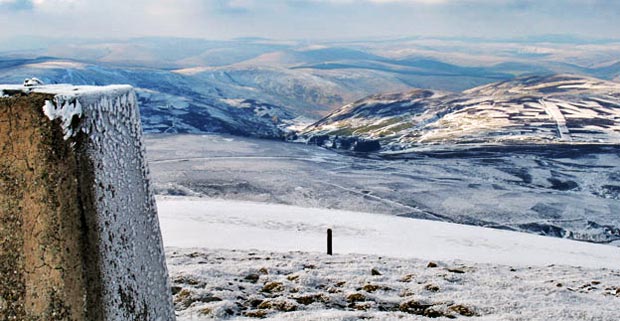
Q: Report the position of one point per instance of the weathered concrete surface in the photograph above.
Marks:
(129, 280)
(111, 215)
(41, 275)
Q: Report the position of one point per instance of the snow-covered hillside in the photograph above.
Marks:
(187, 85)
(195, 222)
(240, 260)
(170, 102)
(542, 110)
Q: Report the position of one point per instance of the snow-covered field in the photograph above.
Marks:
(194, 223)
(231, 259)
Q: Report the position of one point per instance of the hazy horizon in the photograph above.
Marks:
(308, 19)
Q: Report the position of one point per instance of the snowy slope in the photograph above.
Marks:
(244, 100)
(169, 102)
(551, 109)
(240, 261)
(188, 223)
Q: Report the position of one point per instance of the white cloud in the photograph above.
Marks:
(43, 3)
(412, 1)
(246, 4)
(394, 1)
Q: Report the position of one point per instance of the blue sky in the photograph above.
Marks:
(308, 19)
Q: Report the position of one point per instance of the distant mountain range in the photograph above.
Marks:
(538, 109)
(261, 87)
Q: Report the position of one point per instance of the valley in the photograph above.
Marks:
(561, 191)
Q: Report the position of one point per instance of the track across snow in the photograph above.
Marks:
(554, 111)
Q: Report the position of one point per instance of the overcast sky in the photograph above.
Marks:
(308, 19)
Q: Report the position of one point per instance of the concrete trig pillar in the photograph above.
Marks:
(79, 234)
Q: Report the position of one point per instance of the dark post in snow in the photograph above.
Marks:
(329, 241)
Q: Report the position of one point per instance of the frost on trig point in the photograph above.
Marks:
(122, 255)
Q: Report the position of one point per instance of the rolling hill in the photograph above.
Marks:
(538, 109)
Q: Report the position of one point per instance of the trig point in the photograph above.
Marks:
(79, 234)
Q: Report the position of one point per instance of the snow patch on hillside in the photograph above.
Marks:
(55, 64)
(195, 222)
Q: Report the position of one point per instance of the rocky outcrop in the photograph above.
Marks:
(349, 143)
